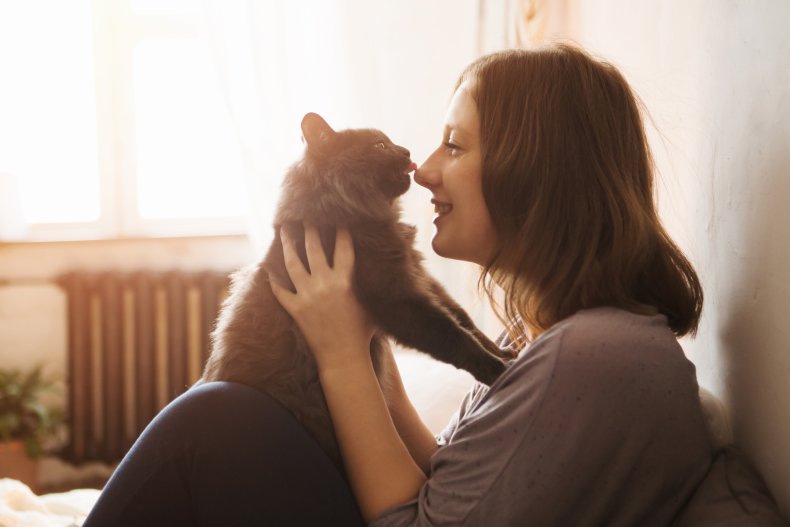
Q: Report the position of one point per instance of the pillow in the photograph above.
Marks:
(732, 494)
(717, 418)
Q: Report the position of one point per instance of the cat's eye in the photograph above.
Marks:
(381, 144)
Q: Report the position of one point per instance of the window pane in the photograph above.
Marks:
(48, 108)
(188, 160)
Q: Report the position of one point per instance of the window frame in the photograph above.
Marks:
(116, 31)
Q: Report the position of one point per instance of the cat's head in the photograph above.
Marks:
(359, 164)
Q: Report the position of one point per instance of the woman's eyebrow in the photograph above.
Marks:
(455, 128)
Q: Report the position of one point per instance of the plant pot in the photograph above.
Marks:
(15, 464)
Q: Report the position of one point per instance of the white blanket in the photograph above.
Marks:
(20, 507)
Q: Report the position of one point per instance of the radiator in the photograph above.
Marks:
(135, 342)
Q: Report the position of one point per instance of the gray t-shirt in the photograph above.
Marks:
(597, 423)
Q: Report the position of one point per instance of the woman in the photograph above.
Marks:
(544, 179)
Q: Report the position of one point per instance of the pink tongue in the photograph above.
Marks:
(413, 167)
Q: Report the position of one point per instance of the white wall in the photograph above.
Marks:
(715, 75)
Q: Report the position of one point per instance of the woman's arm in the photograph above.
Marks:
(380, 467)
(418, 438)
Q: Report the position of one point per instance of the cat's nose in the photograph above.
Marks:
(405, 152)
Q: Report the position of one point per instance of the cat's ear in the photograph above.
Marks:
(315, 131)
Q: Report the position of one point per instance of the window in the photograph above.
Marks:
(113, 123)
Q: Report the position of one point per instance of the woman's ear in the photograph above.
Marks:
(315, 131)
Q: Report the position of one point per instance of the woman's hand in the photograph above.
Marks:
(325, 308)
(378, 461)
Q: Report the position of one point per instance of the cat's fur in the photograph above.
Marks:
(350, 178)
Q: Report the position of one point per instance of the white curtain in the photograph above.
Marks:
(386, 65)
(12, 221)
(522, 23)
(276, 61)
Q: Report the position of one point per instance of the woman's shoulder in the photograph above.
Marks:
(611, 330)
(607, 345)
(618, 330)
(614, 333)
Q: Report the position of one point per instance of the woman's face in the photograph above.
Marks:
(453, 173)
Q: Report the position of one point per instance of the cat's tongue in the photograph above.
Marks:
(412, 167)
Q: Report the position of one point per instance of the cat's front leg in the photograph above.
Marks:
(414, 320)
(391, 287)
(463, 318)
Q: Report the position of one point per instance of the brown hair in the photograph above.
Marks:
(568, 180)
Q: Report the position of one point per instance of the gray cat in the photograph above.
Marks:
(350, 178)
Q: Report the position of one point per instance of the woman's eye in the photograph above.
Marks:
(381, 145)
(452, 147)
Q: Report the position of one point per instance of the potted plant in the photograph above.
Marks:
(25, 423)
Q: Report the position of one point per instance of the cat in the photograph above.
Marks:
(351, 178)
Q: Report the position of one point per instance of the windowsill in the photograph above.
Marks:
(122, 240)
(37, 263)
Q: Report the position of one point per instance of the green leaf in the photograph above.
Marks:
(22, 415)
(33, 447)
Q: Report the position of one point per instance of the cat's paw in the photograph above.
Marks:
(490, 371)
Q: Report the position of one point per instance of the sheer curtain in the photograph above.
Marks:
(523, 23)
(387, 65)
(275, 62)
(12, 221)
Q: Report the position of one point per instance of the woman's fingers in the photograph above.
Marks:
(344, 251)
(293, 264)
(315, 252)
(283, 295)
(324, 306)
(316, 258)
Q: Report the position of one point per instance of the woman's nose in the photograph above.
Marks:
(427, 175)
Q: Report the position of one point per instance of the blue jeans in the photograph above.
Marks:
(225, 454)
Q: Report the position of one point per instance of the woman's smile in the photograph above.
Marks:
(441, 208)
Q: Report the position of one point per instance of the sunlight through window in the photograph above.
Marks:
(112, 121)
(188, 159)
(48, 108)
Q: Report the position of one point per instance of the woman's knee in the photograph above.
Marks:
(226, 411)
